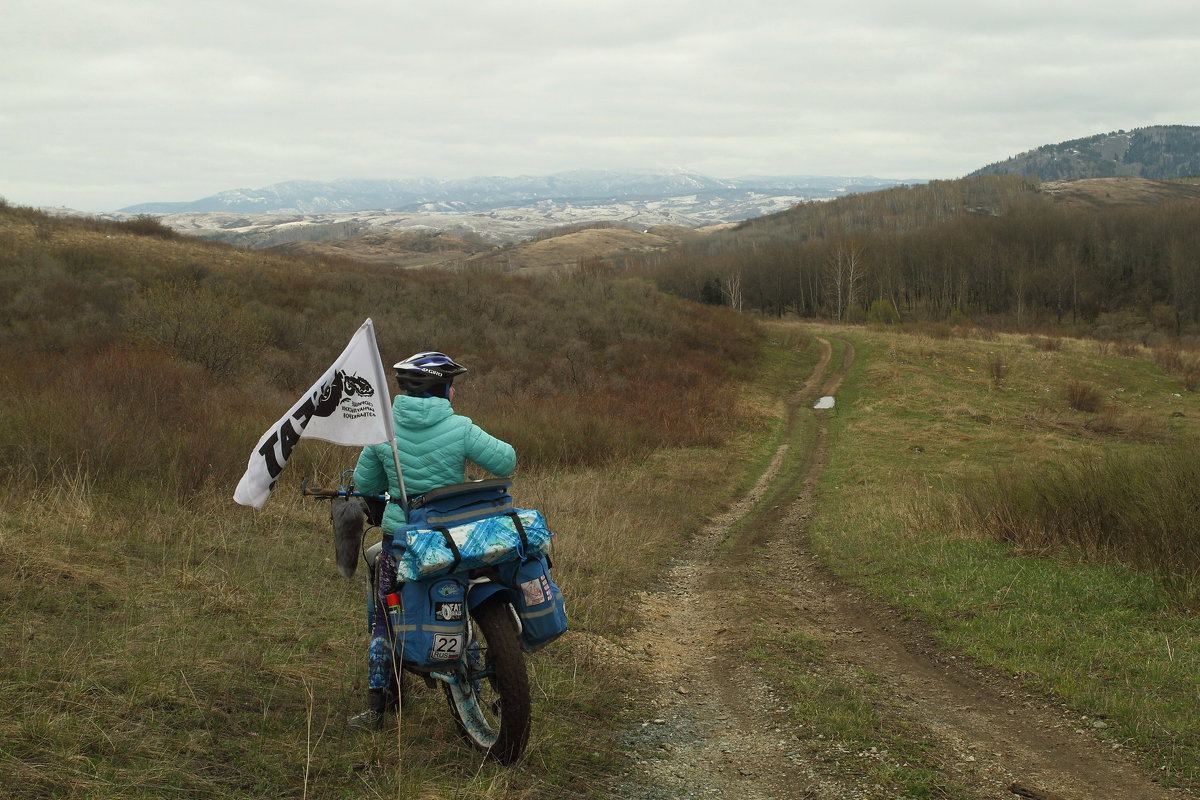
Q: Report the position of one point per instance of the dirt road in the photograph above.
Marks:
(713, 725)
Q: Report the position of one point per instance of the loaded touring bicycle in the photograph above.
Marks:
(471, 595)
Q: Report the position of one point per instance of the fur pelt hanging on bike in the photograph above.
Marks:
(348, 515)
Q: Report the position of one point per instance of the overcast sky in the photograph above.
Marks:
(107, 104)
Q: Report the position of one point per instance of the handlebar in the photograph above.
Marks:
(316, 491)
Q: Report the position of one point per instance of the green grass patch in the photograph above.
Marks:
(1139, 508)
(922, 419)
(773, 412)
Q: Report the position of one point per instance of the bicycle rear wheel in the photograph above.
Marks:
(490, 697)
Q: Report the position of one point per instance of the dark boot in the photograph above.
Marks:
(372, 718)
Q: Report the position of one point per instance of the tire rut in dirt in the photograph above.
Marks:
(798, 484)
(714, 728)
(729, 736)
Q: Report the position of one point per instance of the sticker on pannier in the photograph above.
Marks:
(536, 591)
(539, 602)
(431, 629)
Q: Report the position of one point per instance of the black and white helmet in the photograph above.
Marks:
(427, 373)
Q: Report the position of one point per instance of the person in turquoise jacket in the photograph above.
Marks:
(435, 445)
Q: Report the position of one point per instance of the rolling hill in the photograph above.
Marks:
(1161, 152)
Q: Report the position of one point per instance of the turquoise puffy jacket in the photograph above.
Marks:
(434, 444)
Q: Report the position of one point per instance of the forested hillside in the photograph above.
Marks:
(1160, 152)
(996, 249)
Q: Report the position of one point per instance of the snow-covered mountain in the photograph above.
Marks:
(495, 209)
(501, 225)
(482, 194)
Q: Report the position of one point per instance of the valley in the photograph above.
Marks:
(767, 599)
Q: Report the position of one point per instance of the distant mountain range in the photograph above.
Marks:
(1162, 152)
(502, 210)
(725, 200)
(495, 210)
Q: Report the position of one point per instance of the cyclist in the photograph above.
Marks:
(434, 444)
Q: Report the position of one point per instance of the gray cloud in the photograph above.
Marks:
(105, 105)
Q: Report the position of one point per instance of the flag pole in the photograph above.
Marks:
(390, 429)
(389, 425)
(400, 480)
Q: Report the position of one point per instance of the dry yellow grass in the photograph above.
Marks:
(566, 251)
(1100, 192)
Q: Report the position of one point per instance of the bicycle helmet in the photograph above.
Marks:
(427, 374)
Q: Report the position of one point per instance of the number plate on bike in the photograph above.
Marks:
(447, 647)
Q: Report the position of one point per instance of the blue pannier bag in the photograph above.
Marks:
(539, 601)
(465, 526)
(460, 503)
(431, 627)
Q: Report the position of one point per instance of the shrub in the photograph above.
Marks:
(997, 368)
(883, 312)
(122, 417)
(1135, 508)
(1083, 396)
(196, 324)
(146, 225)
(854, 314)
(958, 319)
(934, 330)
(981, 334)
(1047, 344)
(1133, 425)
(1170, 358)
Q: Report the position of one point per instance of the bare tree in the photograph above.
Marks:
(845, 269)
(731, 286)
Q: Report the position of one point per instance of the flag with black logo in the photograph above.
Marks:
(349, 405)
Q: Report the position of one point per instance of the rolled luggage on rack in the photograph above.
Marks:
(465, 526)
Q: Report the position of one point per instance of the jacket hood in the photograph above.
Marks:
(420, 412)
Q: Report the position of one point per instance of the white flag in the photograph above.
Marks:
(349, 405)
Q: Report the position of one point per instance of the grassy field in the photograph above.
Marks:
(157, 640)
(156, 648)
(215, 652)
(921, 421)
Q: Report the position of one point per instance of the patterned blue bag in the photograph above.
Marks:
(430, 551)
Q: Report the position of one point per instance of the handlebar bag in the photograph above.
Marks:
(432, 550)
(431, 627)
(538, 600)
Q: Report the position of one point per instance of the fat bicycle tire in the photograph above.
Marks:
(492, 713)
